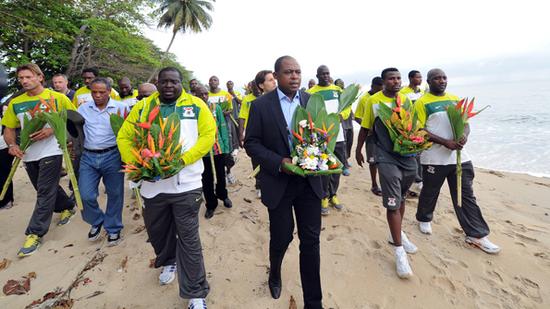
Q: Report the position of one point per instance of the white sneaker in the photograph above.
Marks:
(402, 266)
(197, 303)
(484, 244)
(425, 227)
(168, 274)
(405, 242)
(258, 194)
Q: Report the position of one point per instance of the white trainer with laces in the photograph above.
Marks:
(168, 274)
(197, 303)
(425, 227)
(484, 244)
(405, 242)
(402, 266)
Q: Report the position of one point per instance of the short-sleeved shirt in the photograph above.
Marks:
(383, 145)
(361, 105)
(97, 124)
(432, 115)
(84, 94)
(219, 97)
(245, 107)
(331, 95)
(14, 117)
(412, 94)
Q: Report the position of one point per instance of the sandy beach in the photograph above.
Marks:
(357, 263)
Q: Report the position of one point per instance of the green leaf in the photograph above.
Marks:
(348, 96)
(334, 120)
(315, 104)
(116, 123)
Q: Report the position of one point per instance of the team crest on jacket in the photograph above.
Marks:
(188, 112)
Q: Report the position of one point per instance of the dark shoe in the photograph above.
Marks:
(275, 290)
(209, 213)
(94, 232)
(113, 239)
(274, 280)
(227, 203)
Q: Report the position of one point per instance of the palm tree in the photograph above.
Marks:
(185, 15)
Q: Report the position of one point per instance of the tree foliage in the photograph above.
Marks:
(69, 35)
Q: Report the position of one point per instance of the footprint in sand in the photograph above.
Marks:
(375, 244)
(528, 288)
(495, 275)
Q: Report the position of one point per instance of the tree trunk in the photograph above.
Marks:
(163, 56)
(74, 53)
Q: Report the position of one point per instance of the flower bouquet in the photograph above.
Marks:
(458, 117)
(32, 123)
(157, 148)
(314, 133)
(401, 121)
(57, 120)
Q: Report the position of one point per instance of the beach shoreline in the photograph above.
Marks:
(357, 264)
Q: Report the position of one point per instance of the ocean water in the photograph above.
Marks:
(514, 133)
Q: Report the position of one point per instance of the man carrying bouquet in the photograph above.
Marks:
(101, 159)
(42, 158)
(331, 95)
(439, 163)
(171, 205)
(268, 142)
(223, 98)
(221, 148)
(396, 171)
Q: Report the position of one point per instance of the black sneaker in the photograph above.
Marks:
(227, 203)
(94, 232)
(113, 239)
(209, 213)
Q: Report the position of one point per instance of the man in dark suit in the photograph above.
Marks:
(268, 142)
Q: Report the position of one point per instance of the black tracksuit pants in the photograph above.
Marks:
(469, 215)
(212, 195)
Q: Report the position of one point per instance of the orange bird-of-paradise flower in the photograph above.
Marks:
(151, 142)
(35, 110)
(397, 108)
(153, 114)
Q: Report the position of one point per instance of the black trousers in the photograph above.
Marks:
(307, 207)
(418, 177)
(469, 215)
(5, 166)
(332, 182)
(172, 223)
(50, 197)
(348, 135)
(210, 195)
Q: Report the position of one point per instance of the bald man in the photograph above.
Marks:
(439, 164)
(145, 90)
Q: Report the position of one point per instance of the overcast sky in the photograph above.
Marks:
(355, 39)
